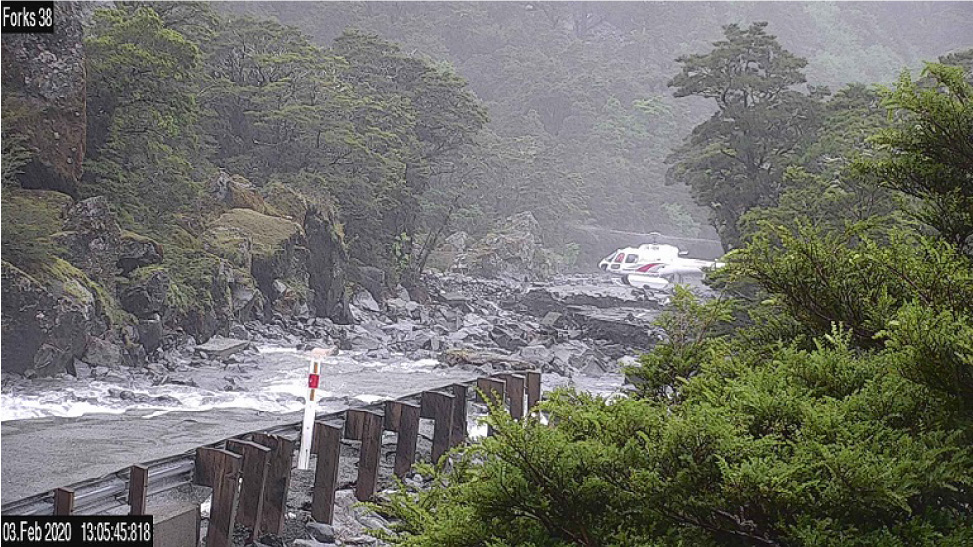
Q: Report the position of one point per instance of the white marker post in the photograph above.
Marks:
(307, 429)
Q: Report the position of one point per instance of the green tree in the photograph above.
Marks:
(734, 161)
(928, 153)
(142, 112)
(841, 416)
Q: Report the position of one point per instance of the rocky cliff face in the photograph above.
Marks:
(44, 79)
(513, 251)
(326, 264)
(78, 288)
(49, 322)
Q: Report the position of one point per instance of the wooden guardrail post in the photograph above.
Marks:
(220, 470)
(256, 464)
(403, 419)
(438, 406)
(515, 394)
(327, 446)
(458, 434)
(533, 389)
(63, 501)
(278, 481)
(138, 489)
(493, 389)
(368, 427)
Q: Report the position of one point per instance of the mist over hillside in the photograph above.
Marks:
(581, 87)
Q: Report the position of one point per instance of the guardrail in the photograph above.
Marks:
(250, 473)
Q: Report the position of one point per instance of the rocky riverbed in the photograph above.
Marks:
(576, 326)
(577, 329)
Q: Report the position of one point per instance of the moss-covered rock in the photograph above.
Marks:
(277, 252)
(267, 234)
(48, 320)
(513, 250)
(92, 240)
(138, 251)
(287, 201)
(30, 219)
(236, 192)
(145, 295)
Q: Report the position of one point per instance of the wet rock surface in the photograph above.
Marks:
(469, 326)
(513, 251)
(45, 73)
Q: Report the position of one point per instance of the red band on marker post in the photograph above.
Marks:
(312, 380)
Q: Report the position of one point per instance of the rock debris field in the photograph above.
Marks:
(576, 329)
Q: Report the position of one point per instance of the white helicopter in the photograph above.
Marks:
(655, 266)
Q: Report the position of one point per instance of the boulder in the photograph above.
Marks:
(277, 249)
(364, 301)
(473, 359)
(150, 333)
(245, 298)
(320, 531)
(102, 353)
(539, 301)
(236, 192)
(92, 240)
(457, 241)
(539, 356)
(145, 296)
(511, 335)
(239, 332)
(137, 251)
(327, 263)
(79, 369)
(219, 347)
(48, 321)
(44, 80)
(513, 251)
(372, 279)
(631, 327)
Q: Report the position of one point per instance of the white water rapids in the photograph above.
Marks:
(271, 380)
(274, 380)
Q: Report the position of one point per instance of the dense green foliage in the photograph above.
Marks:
(178, 90)
(839, 415)
(734, 161)
(141, 111)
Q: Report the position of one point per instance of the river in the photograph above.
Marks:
(59, 431)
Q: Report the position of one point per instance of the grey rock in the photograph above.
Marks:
(472, 359)
(538, 355)
(457, 241)
(320, 531)
(372, 279)
(80, 369)
(150, 333)
(365, 301)
(239, 332)
(219, 347)
(551, 319)
(147, 296)
(102, 353)
(404, 293)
